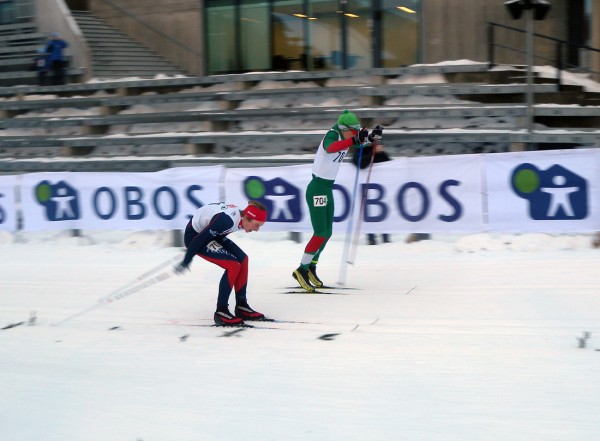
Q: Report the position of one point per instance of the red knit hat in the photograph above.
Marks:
(253, 212)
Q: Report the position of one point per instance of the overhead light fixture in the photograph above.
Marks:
(405, 9)
(300, 15)
(516, 8)
(348, 14)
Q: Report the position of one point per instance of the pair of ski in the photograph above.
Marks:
(270, 324)
(330, 290)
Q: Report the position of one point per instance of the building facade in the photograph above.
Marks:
(233, 36)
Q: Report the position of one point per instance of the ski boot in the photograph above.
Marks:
(225, 318)
(245, 312)
(301, 276)
(312, 276)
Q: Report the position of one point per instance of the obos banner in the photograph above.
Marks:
(8, 209)
(406, 195)
(161, 200)
(554, 191)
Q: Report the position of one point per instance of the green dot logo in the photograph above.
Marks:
(255, 188)
(526, 181)
(43, 192)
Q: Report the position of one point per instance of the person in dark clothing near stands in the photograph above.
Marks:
(206, 236)
(55, 59)
(365, 160)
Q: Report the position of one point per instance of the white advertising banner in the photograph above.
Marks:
(424, 195)
(8, 209)
(406, 195)
(121, 201)
(551, 191)
(281, 189)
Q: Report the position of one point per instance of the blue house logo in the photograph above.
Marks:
(553, 194)
(281, 198)
(60, 200)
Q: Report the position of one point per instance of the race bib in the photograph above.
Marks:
(214, 246)
(320, 201)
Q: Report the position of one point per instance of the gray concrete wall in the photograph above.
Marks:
(595, 29)
(457, 29)
(173, 31)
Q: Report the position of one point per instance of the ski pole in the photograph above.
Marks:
(363, 202)
(143, 281)
(348, 238)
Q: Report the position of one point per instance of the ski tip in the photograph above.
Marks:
(12, 325)
(328, 337)
(317, 292)
(234, 330)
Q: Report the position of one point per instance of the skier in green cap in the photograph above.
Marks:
(347, 132)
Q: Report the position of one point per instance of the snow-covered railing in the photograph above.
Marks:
(301, 141)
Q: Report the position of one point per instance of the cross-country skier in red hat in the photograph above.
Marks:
(206, 236)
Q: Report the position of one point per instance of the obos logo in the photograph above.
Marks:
(60, 200)
(553, 194)
(281, 198)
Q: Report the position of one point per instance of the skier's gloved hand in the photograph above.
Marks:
(181, 269)
(361, 137)
(376, 134)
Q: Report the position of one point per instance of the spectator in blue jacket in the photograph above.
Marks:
(55, 60)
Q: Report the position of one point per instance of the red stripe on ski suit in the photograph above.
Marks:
(314, 244)
(237, 272)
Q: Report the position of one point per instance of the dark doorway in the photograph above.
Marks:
(577, 30)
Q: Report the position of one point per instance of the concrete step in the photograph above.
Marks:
(17, 28)
(116, 71)
(123, 46)
(132, 62)
(113, 73)
(100, 57)
(115, 55)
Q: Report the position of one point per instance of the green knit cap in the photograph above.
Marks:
(348, 120)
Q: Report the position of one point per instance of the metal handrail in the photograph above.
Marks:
(559, 63)
(153, 28)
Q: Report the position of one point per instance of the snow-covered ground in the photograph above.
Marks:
(452, 339)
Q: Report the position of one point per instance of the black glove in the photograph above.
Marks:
(376, 134)
(361, 137)
(180, 269)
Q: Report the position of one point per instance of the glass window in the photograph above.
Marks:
(247, 35)
(324, 36)
(400, 22)
(221, 36)
(289, 21)
(8, 12)
(255, 42)
(359, 26)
